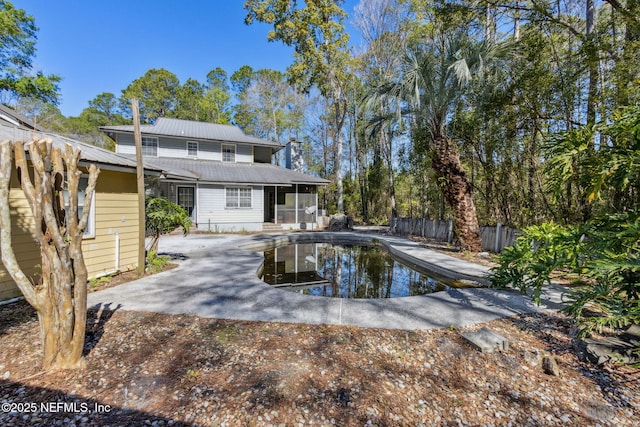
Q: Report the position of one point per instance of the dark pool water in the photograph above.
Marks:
(345, 272)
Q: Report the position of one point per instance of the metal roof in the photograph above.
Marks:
(89, 153)
(223, 172)
(197, 130)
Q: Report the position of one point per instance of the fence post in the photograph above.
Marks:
(450, 232)
(498, 238)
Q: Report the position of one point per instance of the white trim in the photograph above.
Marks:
(235, 153)
(226, 204)
(193, 215)
(90, 231)
(197, 148)
(91, 222)
(157, 145)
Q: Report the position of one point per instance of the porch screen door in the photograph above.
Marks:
(186, 199)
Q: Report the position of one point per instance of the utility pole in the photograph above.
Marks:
(137, 137)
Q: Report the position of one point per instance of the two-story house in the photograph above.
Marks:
(223, 178)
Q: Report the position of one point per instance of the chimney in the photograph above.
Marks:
(294, 159)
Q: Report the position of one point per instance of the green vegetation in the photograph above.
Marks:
(155, 262)
(162, 217)
(602, 252)
(18, 80)
(94, 282)
(603, 257)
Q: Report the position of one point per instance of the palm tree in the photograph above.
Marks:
(429, 89)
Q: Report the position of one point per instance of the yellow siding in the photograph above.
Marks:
(116, 207)
(25, 248)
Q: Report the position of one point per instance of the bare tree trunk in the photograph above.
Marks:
(592, 57)
(60, 297)
(457, 192)
(387, 149)
(340, 188)
(516, 22)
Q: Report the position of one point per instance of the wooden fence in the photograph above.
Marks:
(494, 238)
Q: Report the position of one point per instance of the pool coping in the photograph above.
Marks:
(216, 278)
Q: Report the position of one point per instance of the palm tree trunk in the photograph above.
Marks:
(457, 191)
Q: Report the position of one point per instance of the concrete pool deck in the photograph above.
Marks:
(217, 278)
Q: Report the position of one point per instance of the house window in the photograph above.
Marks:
(90, 231)
(228, 153)
(192, 149)
(149, 146)
(238, 197)
(186, 199)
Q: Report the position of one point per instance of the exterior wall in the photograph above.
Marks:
(177, 148)
(244, 153)
(116, 213)
(214, 216)
(125, 144)
(25, 248)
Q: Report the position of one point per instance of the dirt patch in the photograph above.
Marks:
(110, 281)
(147, 368)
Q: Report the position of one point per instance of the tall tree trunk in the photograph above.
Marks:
(457, 191)
(339, 186)
(361, 170)
(592, 57)
(387, 141)
(516, 22)
(339, 115)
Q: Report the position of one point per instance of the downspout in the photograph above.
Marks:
(117, 264)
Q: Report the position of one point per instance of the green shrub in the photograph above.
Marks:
(541, 249)
(604, 253)
(162, 217)
(155, 262)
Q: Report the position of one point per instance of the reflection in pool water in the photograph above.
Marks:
(344, 271)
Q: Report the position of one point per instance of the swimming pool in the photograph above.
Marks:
(347, 271)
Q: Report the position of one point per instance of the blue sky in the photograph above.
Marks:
(102, 46)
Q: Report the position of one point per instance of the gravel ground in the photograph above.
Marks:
(153, 369)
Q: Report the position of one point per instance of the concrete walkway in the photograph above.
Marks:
(217, 278)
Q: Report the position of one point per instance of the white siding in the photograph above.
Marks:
(173, 147)
(125, 144)
(177, 148)
(213, 215)
(210, 150)
(244, 153)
